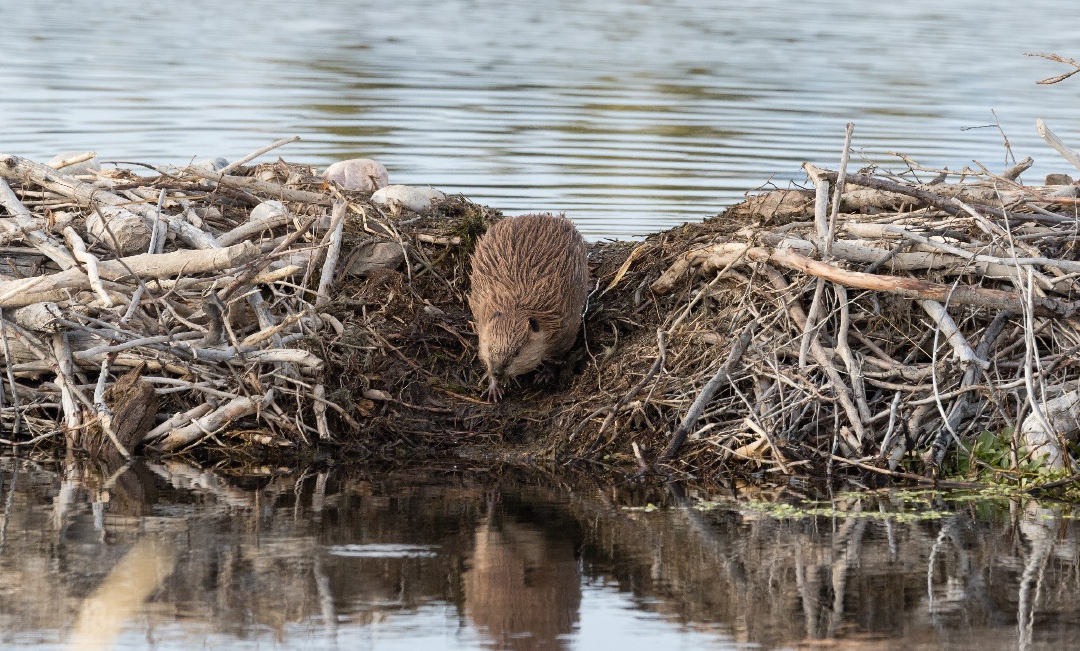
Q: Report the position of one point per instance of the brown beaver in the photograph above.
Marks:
(529, 283)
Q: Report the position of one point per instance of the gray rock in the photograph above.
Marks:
(372, 256)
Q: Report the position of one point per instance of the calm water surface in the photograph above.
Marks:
(164, 556)
(630, 115)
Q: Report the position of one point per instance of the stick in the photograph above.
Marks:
(91, 262)
(938, 201)
(822, 358)
(178, 420)
(723, 374)
(24, 225)
(1057, 143)
(838, 191)
(265, 187)
(821, 198)
(64, 369)
(916, 289)
(952, 334)
(258, 152)
(326, 278)
(10, 377)
(214, 421)
(89, 195)
(858, 389)
(77, 158)
(17, 293)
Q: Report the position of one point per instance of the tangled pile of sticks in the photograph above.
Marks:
(876, 315)
(187, 293)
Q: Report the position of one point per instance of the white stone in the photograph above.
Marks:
(361, 174)
(409, 197)
(267, 211)
(207, 165)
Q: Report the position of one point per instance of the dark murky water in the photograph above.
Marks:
(169, 557)
(631, 115)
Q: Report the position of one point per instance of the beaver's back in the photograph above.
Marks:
(537, 264)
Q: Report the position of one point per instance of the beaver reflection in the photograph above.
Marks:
(522, 590)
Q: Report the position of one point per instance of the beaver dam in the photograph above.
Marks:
(911, 322)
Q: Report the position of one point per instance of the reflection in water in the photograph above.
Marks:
(165, 556)
(631, 115)
(121, 595)
(523, 589)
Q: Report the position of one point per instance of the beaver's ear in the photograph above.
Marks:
(534, 325)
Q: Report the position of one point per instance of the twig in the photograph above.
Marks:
(1059, 59)
(821, 198)
(658, 363)
(722, 374)
(258, 152)
(10, 377)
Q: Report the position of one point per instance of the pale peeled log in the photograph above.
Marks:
(125, 232)
(408, 197)
(361, 174)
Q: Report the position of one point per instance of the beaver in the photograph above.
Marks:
(529, 284)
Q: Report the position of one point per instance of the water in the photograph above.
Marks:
(165, 556)
(631, 115)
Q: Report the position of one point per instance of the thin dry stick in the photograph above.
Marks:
(1037, 400)
(938, 201)
(78, 247)
(1058, 59)
(723, 374)
(843, 347)
(915, 288)
(661, 339)
(258, 152)
(821, 199)
(10, 377)
(72, 160)
(823, 359)
(941, 444)
(838, 191)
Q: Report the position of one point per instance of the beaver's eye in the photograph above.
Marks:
(496, 315)
(534, 325)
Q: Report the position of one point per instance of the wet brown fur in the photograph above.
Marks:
(529, 283)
